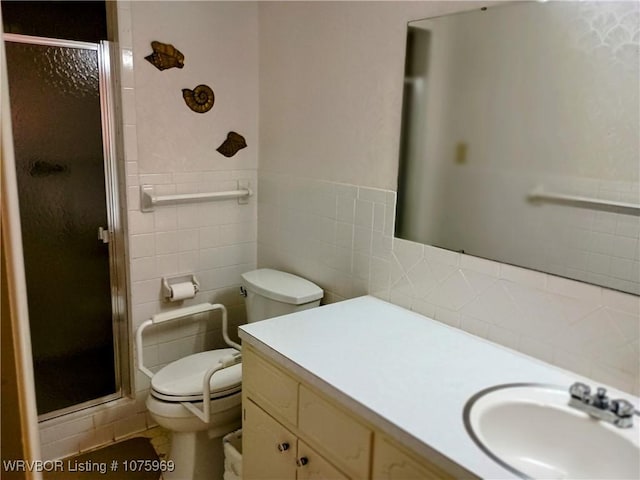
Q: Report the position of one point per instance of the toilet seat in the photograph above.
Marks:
(181, 381)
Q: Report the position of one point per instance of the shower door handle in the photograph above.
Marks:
(103, 234)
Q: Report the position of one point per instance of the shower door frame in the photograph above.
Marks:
(115, 234)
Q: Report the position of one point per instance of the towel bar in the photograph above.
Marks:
(148, 201)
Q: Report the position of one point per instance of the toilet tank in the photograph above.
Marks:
(270, 293)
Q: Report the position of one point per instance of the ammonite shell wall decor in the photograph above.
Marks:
(165, 56)
(200, 99)
(232, 144)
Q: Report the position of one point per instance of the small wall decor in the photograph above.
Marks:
(165, 56)
(200, 99)
(232, 144)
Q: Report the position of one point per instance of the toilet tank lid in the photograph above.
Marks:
(281, 286)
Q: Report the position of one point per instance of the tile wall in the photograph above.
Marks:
(593, 246)
(340, 236)
(215, 241)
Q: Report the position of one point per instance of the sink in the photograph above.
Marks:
(531, 431)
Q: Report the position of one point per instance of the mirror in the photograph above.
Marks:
(521, 135)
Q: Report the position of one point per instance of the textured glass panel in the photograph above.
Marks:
(55, 109)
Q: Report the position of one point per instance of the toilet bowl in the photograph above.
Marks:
(196, 446)
(177, 394)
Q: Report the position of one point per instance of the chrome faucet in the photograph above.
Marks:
(618, 412)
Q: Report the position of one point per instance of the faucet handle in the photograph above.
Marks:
(580, 391)
(601, 400)
(622, 408)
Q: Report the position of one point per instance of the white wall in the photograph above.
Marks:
(329, 87)
(330, 100)
(173, 148)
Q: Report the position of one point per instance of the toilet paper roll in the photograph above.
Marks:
(180, 291)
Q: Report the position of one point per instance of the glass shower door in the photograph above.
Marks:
(58, 135)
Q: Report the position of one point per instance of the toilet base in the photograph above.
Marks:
(197, 456)
(196, 447)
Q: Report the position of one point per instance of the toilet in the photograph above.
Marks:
(271, 293)
(177, 389)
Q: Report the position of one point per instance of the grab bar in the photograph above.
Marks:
(539, 194)
(148, 200)
(226, 362)
(205, 413)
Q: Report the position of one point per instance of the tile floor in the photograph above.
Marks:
(160, 440)
(141, 446)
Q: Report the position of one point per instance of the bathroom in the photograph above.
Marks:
(316, 90)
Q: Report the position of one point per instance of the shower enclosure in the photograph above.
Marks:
(61, 107)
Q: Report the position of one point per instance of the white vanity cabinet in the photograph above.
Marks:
(270, 451)
(290, 431)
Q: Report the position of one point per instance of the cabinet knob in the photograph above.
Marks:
(302, 461)
(283, 447)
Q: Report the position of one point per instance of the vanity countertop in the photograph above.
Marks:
(406, 374)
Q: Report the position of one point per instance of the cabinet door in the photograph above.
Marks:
(268, 449)
(334, 433)
(311, 466)
(270, 387)
(393, 463)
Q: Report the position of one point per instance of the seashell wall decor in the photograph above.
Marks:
(200, 99)
(165, 56)
(232, 144)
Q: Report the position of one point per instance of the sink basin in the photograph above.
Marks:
(531, 431)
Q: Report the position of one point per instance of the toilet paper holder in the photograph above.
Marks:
(168, 282)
